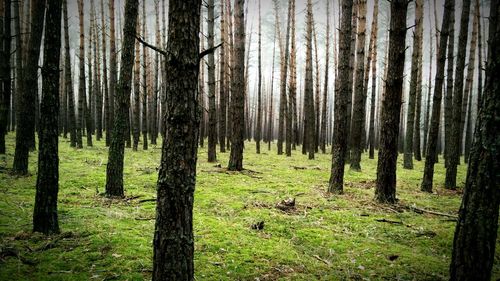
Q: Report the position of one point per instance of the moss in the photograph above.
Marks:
(326, 237)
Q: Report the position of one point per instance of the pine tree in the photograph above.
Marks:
(28, 91)
(114, 170)
(177, 175)
(47, 182)
(414, 90)
(212, 114)
(454, 153)
(238, 90)
(258, 128)
(477, 227)
(371, 130)
(339, 144)
(430, 157)
(385, 191)
(5, 70)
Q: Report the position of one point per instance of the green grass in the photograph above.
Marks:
(327, 237)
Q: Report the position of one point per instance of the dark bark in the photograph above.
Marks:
(5, 71)
(258, 128)
(47, 181)
(174, 241)
(415, 71)
(454, 152)
(238, 90)
(222, 77)
(284, 53)
(476, 231)
(144, 112)
(322, 142)
(291, 91)
(371, 130)
(385, 191)
(112, 73)
(339, 144)
(448, 101)
(81, 84)
(136, 106)
(87, 107)
(430, 157)
(107, 99)
(358, 114)
(26, 106)
(68, 80)
(212, 114)
(114, 170)
(309, 114)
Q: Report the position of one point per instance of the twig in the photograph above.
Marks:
(421, 211)
(389, 221)
(147, 200)
(320, 259)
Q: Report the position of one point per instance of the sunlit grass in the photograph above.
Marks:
(326, 237)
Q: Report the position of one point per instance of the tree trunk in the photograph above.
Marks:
(47, 181)
(385, 191)
(284, 53)
(107, 99)
(258, 128)
(448, 102)
(112, 73)
(87, 108)
(339, 144)
(414, 90)
(238, 90)
(136, 109)
(145, 66)
(212, 114)
(358, 115)
(5, 71)
(322, 137)
(271, 121)
(223, 82)
(292, 94)
(476, 230)
(309, 120)
(430, 157)
(68, 88)
(289, 111)
(451, 168)
(371, 132)
(28, 91)
(114, 170)
(173, 244)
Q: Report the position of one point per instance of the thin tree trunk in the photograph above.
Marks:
(451, 168)
(322, 142)
(112, 72)
(371, 132)
(284, 53)
(144, 82)
(212, 114)
(430, 157)
(258, 128)
(69, 81)
(223, 82)
(289, 109)
(136, 109)
(114, 170)
(358, 115)
(448, 102)
(5, 70)
(28, 91)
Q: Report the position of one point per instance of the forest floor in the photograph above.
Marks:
(327, 237)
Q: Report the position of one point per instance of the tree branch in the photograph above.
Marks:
(154, 48)
(208, 51)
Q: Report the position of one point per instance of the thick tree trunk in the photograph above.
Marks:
(339, 145)
(476, 231)
(212, 114)
(385, 191)
(238, 90)
(29, 91)
(430, 157)
(454, 153)
(47, 181)
(114, 170)
(414, 90)
(358, 115)
(173, 244)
